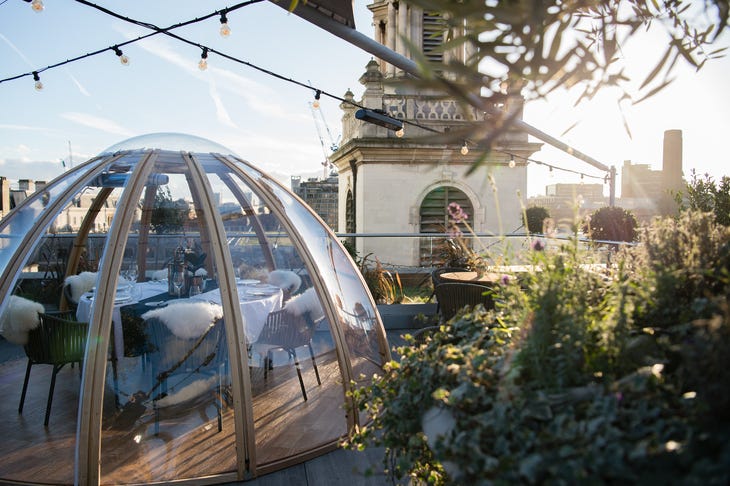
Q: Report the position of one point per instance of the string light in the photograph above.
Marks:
(122, 57)
(203, 64)
(464, 149)
(225, 29)
(317, 95)
(400, 132)
(37, 5)
(37, 79)
(512, 162)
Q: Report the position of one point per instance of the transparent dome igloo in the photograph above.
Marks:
(196, 319)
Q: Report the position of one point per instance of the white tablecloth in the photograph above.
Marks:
(256, 304)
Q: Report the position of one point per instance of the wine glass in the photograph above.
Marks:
(195, 288)
(132, 273)
(178, 281)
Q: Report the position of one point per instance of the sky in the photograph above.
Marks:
(96, 102)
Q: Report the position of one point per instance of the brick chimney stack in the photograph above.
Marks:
(672, 161)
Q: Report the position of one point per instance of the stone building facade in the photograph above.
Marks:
(390, 184)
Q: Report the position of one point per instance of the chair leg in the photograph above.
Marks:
(56, 369)
(314, 363)
(299, 373)
(25, 386)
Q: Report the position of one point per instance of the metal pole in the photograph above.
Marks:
(379, 50)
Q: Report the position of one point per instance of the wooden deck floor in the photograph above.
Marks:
(285, 424)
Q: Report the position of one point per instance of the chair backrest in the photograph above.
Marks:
(57, 340)
(453, 296)
(286, 329)
(171, 351)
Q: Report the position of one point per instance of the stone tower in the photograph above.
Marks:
(389, 184)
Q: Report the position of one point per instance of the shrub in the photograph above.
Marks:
(576, 376)
(534, 217)
(611, 223)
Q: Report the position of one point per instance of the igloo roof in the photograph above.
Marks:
(218, 321)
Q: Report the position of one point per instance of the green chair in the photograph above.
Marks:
(57, 341)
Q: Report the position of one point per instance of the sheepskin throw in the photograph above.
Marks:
(285, 280)
(80, 284)
(305, 302)
(187, 319)
(19, 317)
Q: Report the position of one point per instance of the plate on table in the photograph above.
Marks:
(261, 292)
(122, 298)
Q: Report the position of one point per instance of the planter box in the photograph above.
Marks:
(403, 316)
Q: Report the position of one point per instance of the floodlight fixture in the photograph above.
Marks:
(378, 118)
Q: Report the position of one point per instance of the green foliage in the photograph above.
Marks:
(534, 217)
(612, 223)
(384, 286)
(704, 194)
(168, 216)
(537, 48)
(579, 376)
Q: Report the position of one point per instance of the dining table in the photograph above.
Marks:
(256, 299)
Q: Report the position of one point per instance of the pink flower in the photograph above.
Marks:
(537, 245)
(457, 213)
(505, 279)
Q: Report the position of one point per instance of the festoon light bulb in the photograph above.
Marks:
(123, 59)
(203, 64)
(464, 149)
(37, 79)
(37, 5)
(400, 132)
(225, 29)
(317, 95)
(512, 162)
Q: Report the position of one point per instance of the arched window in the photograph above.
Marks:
(434, 218)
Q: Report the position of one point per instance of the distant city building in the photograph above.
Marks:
(320, 195)
(11, 197)
(645, 192)
(566, 202)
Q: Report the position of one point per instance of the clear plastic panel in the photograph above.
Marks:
(357, 316)
(295, 376)
(41, 340)
(168, 411)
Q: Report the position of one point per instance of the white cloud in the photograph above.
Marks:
(99, 123)
(220, 108)
(259, 97)
(6, 126)
(78, 84)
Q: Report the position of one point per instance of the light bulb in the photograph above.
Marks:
(464, 149)
(37, 79)
(203, 64)
(122, 58)
(315, 103)
(399, 133)
(512, 163)
(225, 30)
(37, 5)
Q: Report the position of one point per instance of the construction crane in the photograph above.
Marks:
(319, 123)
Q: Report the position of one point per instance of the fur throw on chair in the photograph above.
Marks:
(286, 280)
(305, 302)
(187, 320)
(20, 316)
(80, 284)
